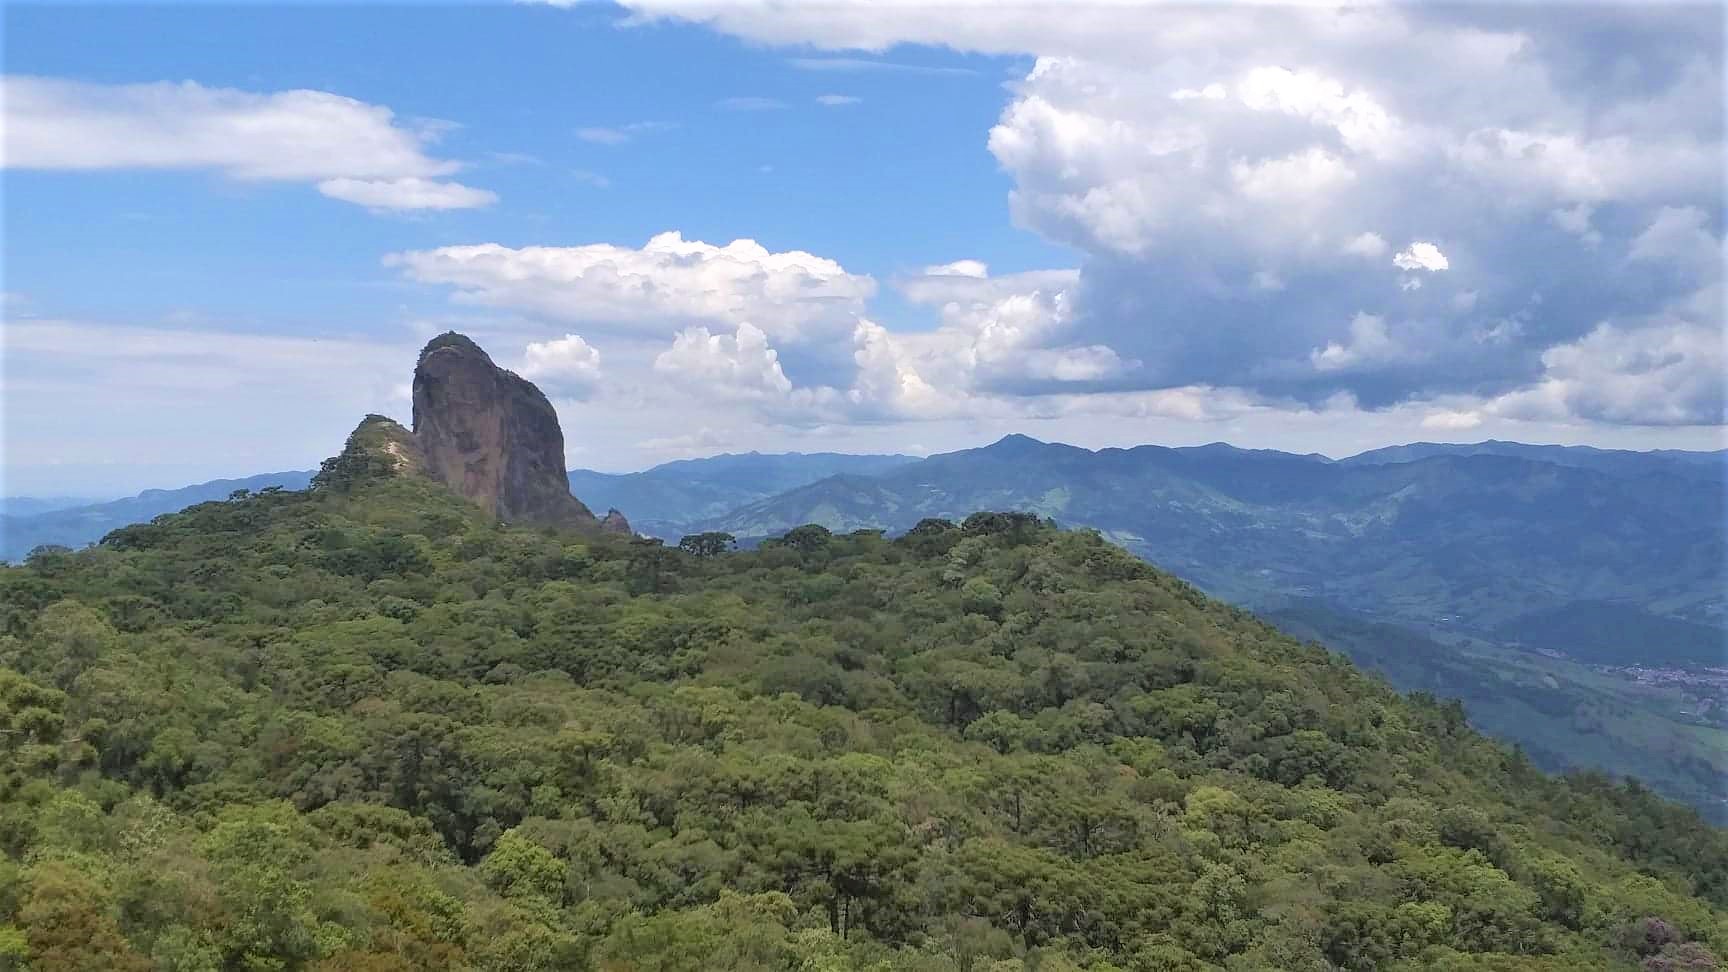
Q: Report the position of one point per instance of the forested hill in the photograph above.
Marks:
(364, 728)
(80, 523)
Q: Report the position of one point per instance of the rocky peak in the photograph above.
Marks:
(614, 522)
(491, 436)
(377, 447)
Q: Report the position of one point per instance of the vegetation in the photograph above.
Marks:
(1488, 556)
(360, 728)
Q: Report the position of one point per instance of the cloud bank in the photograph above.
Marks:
(1512, 208)
(350, 150)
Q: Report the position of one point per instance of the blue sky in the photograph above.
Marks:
(910, 145)
(1281, 227)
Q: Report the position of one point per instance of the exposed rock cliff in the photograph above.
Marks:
(492, 436)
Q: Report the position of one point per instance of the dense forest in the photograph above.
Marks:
(363, 728)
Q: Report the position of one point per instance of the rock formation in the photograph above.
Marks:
(378, 446)
(492, 437)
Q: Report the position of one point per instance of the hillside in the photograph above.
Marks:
(367, 727)
(1564, 714)
(1506, 570)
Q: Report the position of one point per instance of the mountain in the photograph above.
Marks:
(1487, 537)
(1575, 605)
(493, 437)
(77, 526)
(1603, 460)
(32, 505)
(664, 499)
(370, 726)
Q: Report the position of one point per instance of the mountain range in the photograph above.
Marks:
(1424, 533)
(28, 523)
(1531, 581)
(431, 713)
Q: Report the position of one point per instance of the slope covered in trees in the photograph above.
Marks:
(363, 728)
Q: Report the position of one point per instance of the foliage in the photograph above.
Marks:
(360, 728)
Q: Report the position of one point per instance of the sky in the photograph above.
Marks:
(862, 227)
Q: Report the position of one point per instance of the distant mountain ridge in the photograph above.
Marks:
(77, 526)
(1457, 569)
(1588, 457)
(661, 500)
(1486, 534)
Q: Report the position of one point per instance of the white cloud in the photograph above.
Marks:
(976, 269)
(1667, 373)
(740, 365)
(1573, 167)
(1451, 421)
(1421, 256)
(568, 366)
(1193, 154)
(1679, 235)
(618, 135)
(351, 150)
(1370, 343)
(1361, 123)
(408, 192)
(837, 100)
(658, 288)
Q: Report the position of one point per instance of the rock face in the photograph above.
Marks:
(614, 522)
(493, 437)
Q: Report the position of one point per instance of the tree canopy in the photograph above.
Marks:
(362, 728)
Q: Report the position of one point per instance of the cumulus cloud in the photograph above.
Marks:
(568, 366)
(1679, 236)
(1369, 343)
(739, 365)
(351, 150)
(1421, 256)
(1231, 177)
(660, 287)
(975, 269)
(1663, 374)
